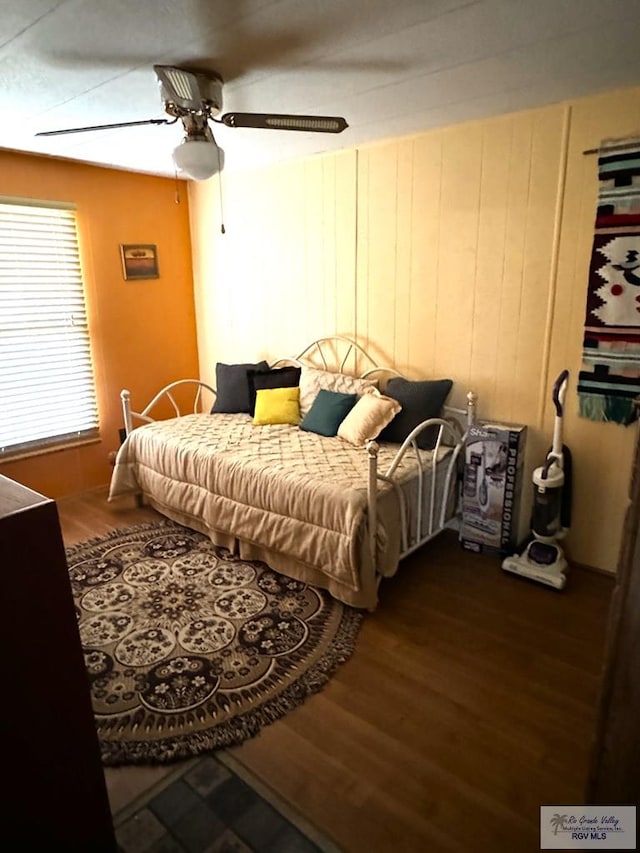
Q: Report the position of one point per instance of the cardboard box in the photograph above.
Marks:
(492, 487)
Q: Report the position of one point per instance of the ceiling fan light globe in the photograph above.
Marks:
(198, 159)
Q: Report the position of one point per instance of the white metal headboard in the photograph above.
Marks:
(333, 353)
(339, 348)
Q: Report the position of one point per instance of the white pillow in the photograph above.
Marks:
(368, 418)
(313, 380)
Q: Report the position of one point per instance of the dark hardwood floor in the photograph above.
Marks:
(470, 701)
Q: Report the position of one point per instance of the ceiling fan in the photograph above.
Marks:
(195, 97)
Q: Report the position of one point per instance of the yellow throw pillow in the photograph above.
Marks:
(367, 419)
(277, 406)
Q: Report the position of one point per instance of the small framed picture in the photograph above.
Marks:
(139, 260)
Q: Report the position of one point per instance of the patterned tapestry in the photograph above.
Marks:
(610, 379)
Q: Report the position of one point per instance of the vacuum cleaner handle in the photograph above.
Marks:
(559, 390)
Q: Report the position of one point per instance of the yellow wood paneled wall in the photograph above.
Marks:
(603, 451)
(454, 270)
(460, 252)
(284, 271)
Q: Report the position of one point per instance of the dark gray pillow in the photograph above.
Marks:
(276, 377)
(420, 401)
(232, 387)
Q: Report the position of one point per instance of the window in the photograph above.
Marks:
(47, 393)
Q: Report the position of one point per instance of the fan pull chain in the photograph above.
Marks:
(222, 228)
(178, 201)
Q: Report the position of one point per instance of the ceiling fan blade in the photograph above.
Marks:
(106, 126)
(276, 121)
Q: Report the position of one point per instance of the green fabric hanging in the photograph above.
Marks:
(609, 380)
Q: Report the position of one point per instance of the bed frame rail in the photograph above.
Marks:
(341, 353)
(198, 402)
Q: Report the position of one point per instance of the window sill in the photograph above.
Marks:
(53, 447)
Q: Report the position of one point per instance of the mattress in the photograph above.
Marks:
(295, 499)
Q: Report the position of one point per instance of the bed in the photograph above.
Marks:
(319, 509)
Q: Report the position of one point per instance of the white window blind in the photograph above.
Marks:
(47, 392)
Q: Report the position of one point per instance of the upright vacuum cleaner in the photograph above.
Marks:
(543, 559)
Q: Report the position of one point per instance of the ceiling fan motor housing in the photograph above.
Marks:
(186, 91)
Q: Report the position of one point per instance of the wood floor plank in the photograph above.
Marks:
(469, 702)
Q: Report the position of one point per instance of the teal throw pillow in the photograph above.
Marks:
(328, 411)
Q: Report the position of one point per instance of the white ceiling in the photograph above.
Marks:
(390, 67)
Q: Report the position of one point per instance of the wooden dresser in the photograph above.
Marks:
(55, 796)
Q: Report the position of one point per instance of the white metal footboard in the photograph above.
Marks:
(450, 433)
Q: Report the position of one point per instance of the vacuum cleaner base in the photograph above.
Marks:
(541, 562)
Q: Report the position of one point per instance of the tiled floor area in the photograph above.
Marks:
(207, 808)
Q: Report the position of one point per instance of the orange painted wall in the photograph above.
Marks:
(143, 332)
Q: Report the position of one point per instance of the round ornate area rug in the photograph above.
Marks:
(189, 648)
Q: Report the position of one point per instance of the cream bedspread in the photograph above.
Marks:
(278, 493)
